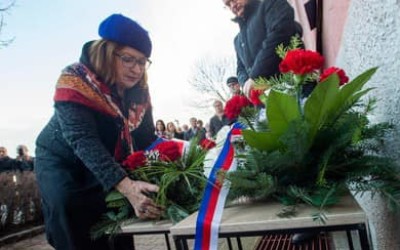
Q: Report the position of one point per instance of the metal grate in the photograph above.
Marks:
(283, 242)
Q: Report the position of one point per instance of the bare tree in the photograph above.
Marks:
(4, 7)
(209, 79)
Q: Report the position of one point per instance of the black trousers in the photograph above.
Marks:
(73, 201)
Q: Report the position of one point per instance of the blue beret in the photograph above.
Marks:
(122, 30)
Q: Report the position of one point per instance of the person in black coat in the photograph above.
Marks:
(263, 24)
(219, 119)
(7, 163)
(23, 159)
(102, 114)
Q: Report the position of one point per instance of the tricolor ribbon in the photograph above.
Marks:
(214, 197)
(183, 145)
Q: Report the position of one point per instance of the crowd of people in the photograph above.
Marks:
(197, 128)
(172, 130)
(22, 162)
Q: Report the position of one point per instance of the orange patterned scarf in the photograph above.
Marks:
(78, 84)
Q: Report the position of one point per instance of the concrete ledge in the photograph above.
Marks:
(27, 233)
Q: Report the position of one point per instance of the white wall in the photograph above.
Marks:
(372, 38)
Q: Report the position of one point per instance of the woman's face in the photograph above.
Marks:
(160, 126)
(171, 127)
(130, 67)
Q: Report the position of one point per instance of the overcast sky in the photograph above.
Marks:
(48, 35)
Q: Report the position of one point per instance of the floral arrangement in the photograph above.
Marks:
(316, 141)
(178, 172)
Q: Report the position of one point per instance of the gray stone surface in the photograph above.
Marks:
(372, 38)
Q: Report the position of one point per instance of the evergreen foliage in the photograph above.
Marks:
(181, 184)
(312, 150)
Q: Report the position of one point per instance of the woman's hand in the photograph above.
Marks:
(135, 192)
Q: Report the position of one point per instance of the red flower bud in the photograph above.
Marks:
(207, 144)
(301, 62)
(333, 70)
(234, 106)
(168, 150)
(255, 96)
(135, 160)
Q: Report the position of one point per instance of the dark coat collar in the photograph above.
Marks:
(84, 59)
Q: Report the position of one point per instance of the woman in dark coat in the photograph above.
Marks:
(102, 114)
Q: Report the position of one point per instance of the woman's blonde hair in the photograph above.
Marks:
(103, 60)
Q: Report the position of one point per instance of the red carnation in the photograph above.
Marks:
(135, 160)
(301, 62)
(333, 70)
(168, 150)
(234, 106)
(207, 144)
(255, 96)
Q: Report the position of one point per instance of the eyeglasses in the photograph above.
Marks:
(130, 61)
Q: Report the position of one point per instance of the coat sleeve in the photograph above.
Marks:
(79, 129)
(280, 27)
(212, 127)
(241, 72)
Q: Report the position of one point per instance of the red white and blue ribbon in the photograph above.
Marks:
(183, 145)
(212, 205)
(155, 143)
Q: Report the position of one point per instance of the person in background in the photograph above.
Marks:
(172, 132)
(192, 131)
(102, 114)
(6, 162)
(24, 160)
(201, 131)
(208, 134)
(185, 128)
(160, 130)
(263, 25)
(234, 85)
(3, 152)
(219, 119)
(179, 129)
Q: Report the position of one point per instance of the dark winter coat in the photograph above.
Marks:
(265, 25)
(61, 138)
(8, 164)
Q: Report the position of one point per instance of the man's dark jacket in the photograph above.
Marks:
(8, 164)
(216, 124)
(264, 26)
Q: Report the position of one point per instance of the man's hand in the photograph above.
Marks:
(248, 85)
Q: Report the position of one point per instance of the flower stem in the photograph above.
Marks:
(249, 123)
(298, 83)
(298, 97)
